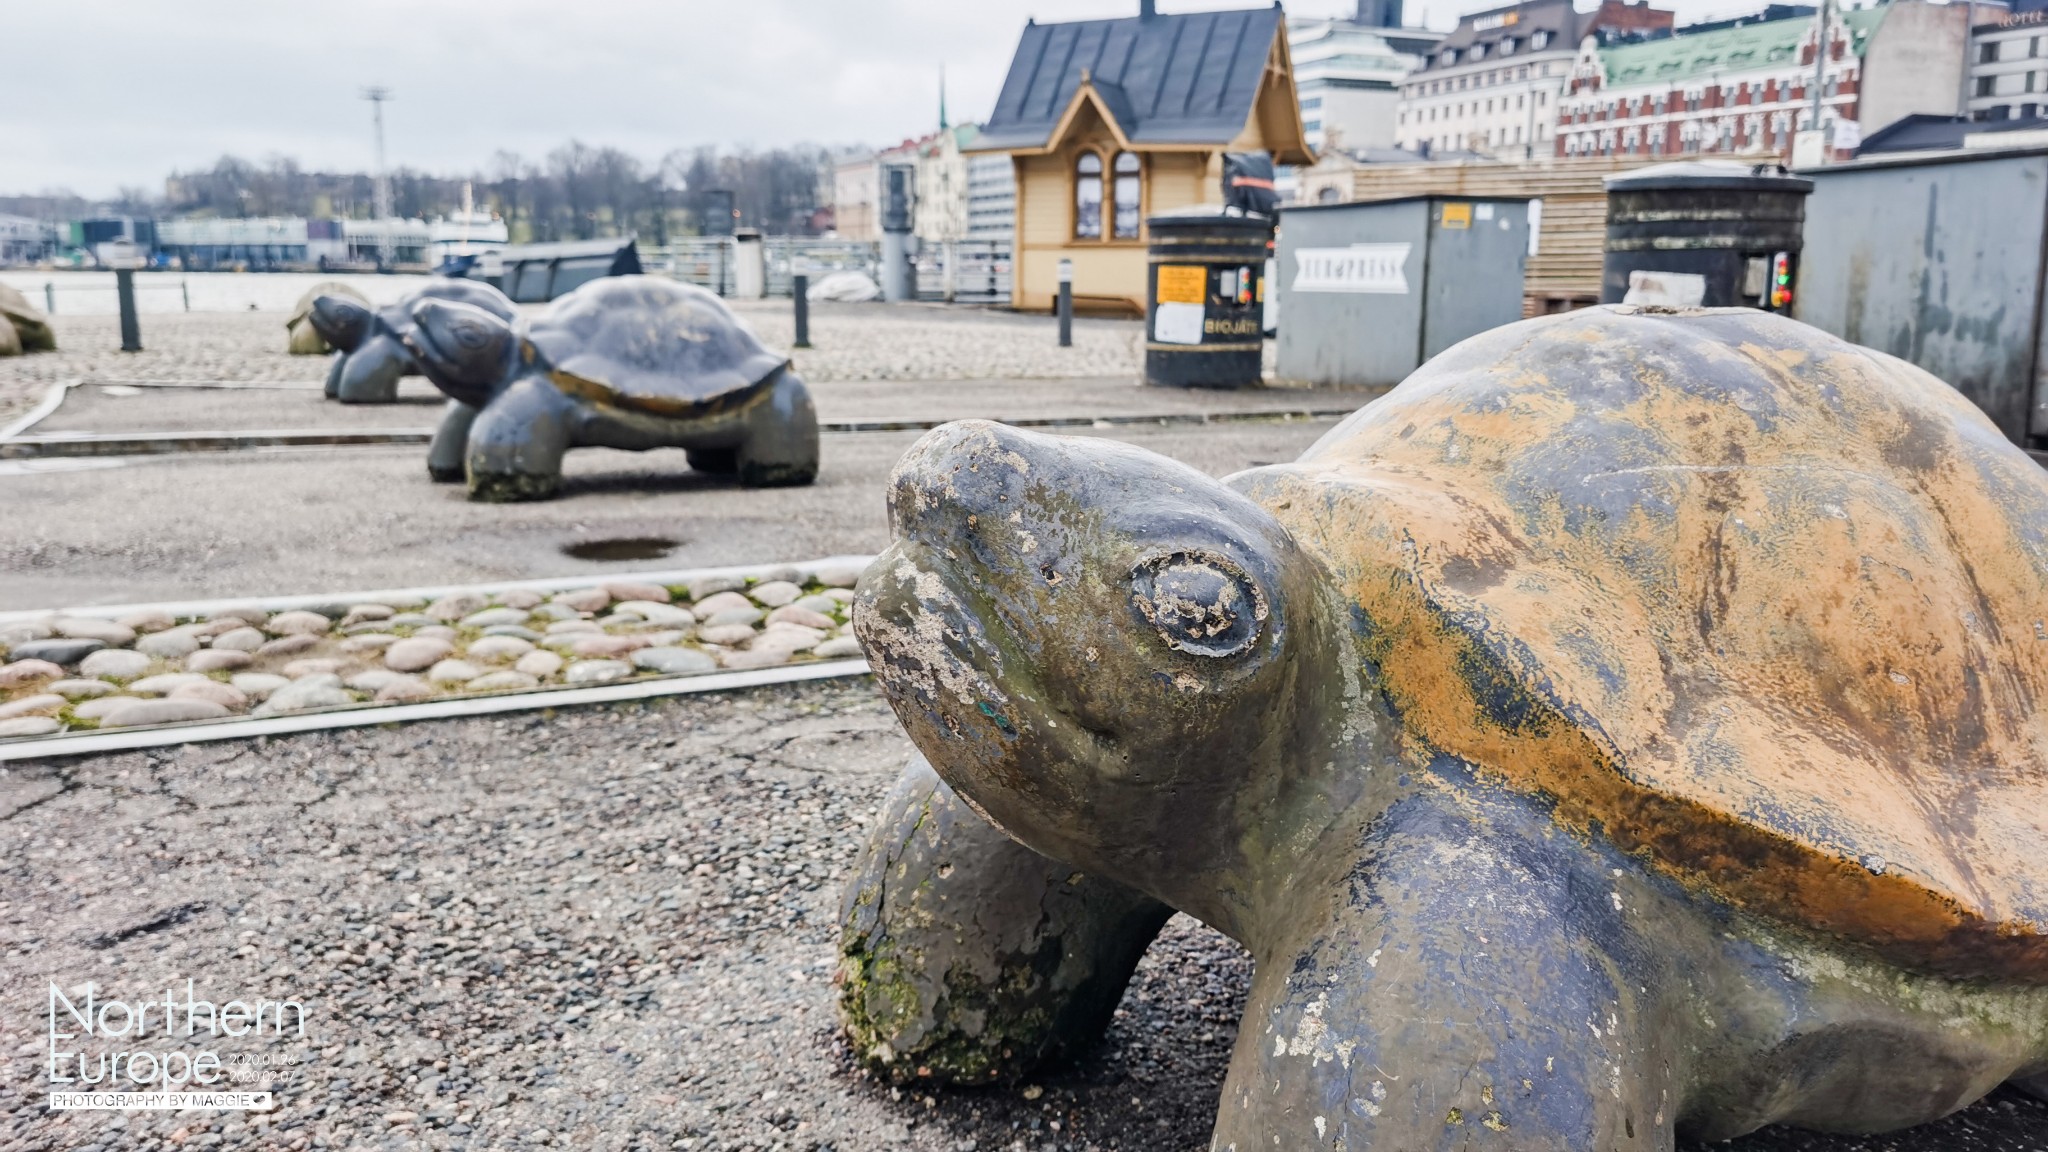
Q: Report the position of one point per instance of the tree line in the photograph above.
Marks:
(577, 191)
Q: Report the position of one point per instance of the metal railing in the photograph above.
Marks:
(967, 271)
(142, 284)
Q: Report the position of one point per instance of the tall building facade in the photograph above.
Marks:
(1492, 86)
(1348, 75)
(991, 197)
(2009, 62)
(1747, 86)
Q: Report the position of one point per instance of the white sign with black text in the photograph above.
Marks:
(1360, 268)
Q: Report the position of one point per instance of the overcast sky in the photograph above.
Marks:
(97, 94)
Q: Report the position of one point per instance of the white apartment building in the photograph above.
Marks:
(2009, 65)
(1492, 86)
(991, 197)
(942, 185)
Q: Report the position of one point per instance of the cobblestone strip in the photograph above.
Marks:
(502, 647)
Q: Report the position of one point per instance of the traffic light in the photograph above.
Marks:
(1781, 281)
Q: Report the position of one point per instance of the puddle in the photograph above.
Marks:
(623, 548)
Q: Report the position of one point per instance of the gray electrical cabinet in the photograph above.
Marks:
(1368, 292)
(1937, 258)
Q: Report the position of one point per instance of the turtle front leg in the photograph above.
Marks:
(1470, 985)
(370, 374)
(781, 445)
(336, 363)
(517, 441)
(966, 957)
(451, 443)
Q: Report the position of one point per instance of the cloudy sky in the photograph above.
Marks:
(97, 94)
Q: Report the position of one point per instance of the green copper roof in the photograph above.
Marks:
(1681, 57)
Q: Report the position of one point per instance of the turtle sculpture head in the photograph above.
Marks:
(1125, 660)
(465, 351)
(340, 321)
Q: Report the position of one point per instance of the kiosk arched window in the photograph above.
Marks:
(1088, 196)
(1126, 195)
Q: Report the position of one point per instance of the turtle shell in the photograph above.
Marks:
(398, 317)
(1763, 607)
(31, 327)
(651, 344)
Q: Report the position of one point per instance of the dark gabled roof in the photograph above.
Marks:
(1179, 79)
(1923, 131)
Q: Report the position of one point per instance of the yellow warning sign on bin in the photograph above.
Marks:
(1183, 284)
(1457, 215)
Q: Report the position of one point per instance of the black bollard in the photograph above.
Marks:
(800, 291)
(1066, 305)
(131, 331)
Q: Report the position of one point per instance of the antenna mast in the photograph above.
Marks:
(377, 94)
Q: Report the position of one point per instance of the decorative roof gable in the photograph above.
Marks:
(1163, 80)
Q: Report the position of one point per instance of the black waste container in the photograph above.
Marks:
(1205, 294)
(1729, 231)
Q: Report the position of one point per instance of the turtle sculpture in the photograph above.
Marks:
(372, 351)
(1629, 725)
(301, 337)
(632, 362)
(31, 329)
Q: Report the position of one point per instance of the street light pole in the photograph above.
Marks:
(377, 94)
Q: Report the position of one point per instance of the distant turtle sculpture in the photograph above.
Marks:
(371, 340)
(301, 337)
(1630, 724)
(31, 328)
(632, 362)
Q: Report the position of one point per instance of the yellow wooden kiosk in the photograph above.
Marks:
(1110, 121)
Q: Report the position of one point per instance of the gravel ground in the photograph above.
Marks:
(607, 929)
(853, 342)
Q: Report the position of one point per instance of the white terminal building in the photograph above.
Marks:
(1492, 86)
(1347, 75)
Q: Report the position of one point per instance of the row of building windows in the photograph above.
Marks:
(1484, 79)
(2013, 84)
(1124, 198)
(1753, 133)
(1992, 51)
(1692, 100)
(1455, 111)
(1491, 138)
(1538, 41)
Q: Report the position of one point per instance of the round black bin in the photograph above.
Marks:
(1735, 226)
(1205, 298)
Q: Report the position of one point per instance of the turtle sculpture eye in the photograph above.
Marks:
(1202, 604)
(470, 334)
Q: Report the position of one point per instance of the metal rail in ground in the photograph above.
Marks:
(179, 443)
(364, 715)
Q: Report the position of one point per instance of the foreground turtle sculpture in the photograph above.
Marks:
(1628, 725)
(632, 362)
(373, 353)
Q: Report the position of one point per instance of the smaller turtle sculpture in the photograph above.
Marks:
(301, 337)
(31, 329)
(1631, 726)
(372, 353)
(630, 362)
